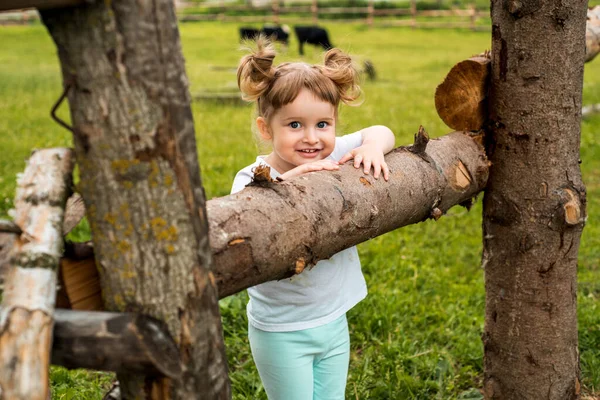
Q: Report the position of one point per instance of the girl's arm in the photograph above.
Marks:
(377, 141)
(381, 136)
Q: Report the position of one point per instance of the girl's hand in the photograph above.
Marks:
(371, 156)
(320, 165)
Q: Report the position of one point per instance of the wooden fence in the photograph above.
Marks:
(275, 13)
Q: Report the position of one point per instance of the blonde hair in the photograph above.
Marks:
(273, 87)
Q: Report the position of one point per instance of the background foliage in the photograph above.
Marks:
(417, 335)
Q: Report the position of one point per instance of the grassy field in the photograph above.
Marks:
(417, 335)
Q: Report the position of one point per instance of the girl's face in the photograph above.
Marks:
(301, 132)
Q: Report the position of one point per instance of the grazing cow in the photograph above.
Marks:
(248, 33)
(275, 33)
(312, 35)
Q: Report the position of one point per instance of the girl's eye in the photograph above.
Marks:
(295, 125)
(322, 125)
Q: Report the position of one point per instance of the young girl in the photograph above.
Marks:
(297, 327)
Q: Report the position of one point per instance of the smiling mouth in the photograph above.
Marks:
(309, 151)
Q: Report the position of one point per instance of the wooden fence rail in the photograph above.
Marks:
(275, 13)
(309, 13)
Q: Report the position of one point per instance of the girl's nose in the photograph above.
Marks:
(310, 136)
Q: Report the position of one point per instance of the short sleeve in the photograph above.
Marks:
(241, 179)
(344, 144)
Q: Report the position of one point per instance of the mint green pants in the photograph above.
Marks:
(310, 364)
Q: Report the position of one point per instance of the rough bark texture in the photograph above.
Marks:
(534, 205)
(461, 99)
(140, 179)
(120, 342)
(30, 291)
(328, 212)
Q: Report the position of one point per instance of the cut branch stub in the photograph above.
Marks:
(461, 99)
(421, 139)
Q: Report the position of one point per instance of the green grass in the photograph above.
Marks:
(417, 335)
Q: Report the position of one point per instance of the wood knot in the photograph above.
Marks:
(364, 181)
(515, 7)
(300, 265)
(436, 213)
(572, 208)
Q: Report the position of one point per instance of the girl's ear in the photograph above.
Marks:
(263, 128)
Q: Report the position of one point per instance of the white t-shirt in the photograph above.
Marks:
(316, 296)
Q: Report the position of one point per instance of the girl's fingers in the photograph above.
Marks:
(357, 161)
(346, 157)
(367, 166)
(386, 171)
(376, 169)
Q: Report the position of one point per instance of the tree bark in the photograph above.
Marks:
(534, 205)
(134, 138)
(30, 291)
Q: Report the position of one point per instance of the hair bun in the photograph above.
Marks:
(255, 71)
(339, 67)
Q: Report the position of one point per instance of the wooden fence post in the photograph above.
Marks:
(275, 8)
(473, 10)
(314, 8)
(370, 13)
(413, 13)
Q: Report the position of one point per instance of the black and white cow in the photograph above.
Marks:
(312, 35)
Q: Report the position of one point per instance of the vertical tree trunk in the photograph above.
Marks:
(140, 179)
(534, 206)
(29, 297)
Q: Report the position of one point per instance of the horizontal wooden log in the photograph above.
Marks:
(39, 4)
(272, 232)
(119, 342)
(30, 288)
(320, 214)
